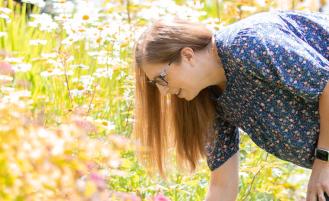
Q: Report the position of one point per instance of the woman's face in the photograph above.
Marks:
(185, 79)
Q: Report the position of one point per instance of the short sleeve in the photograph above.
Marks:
(225, 145)
(278, 56)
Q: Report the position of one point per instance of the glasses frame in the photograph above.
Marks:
(161, 79)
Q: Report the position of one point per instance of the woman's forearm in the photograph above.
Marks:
(218, 193)
(323, 141)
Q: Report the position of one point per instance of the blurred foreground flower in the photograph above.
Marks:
(6, 68)
(161, 197)
(62, 163)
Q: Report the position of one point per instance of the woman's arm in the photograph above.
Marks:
(224, 181)
(323, 141)
(319, 180)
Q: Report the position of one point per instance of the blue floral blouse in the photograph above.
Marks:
(277, 65)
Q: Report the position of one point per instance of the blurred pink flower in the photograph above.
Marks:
(91, 165)
(85, 125)
(161, 197)
(98, 180)
(6, 68)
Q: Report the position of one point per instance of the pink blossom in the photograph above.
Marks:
(6, 68)
(98, 180)
(85, 125)
(161, 197)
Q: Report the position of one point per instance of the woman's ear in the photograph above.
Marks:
(188, 55)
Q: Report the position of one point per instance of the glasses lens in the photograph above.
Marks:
(158, 81)
(161, 81)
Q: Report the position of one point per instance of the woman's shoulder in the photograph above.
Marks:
(268, 21)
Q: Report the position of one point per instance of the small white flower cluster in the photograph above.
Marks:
(22, 67)
(4, 14)
(104, 72)
(55, 72)
(44, 22)
(3, 34)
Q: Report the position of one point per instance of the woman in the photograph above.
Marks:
(263, 74)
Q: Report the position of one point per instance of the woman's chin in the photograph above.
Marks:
(189, 98)
(186, 96)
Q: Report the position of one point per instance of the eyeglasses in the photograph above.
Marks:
(161, 79)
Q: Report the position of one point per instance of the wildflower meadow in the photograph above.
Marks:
(67, 102)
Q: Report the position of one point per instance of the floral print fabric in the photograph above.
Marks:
(277, 65)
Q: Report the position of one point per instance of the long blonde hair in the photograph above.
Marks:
(162, 122)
